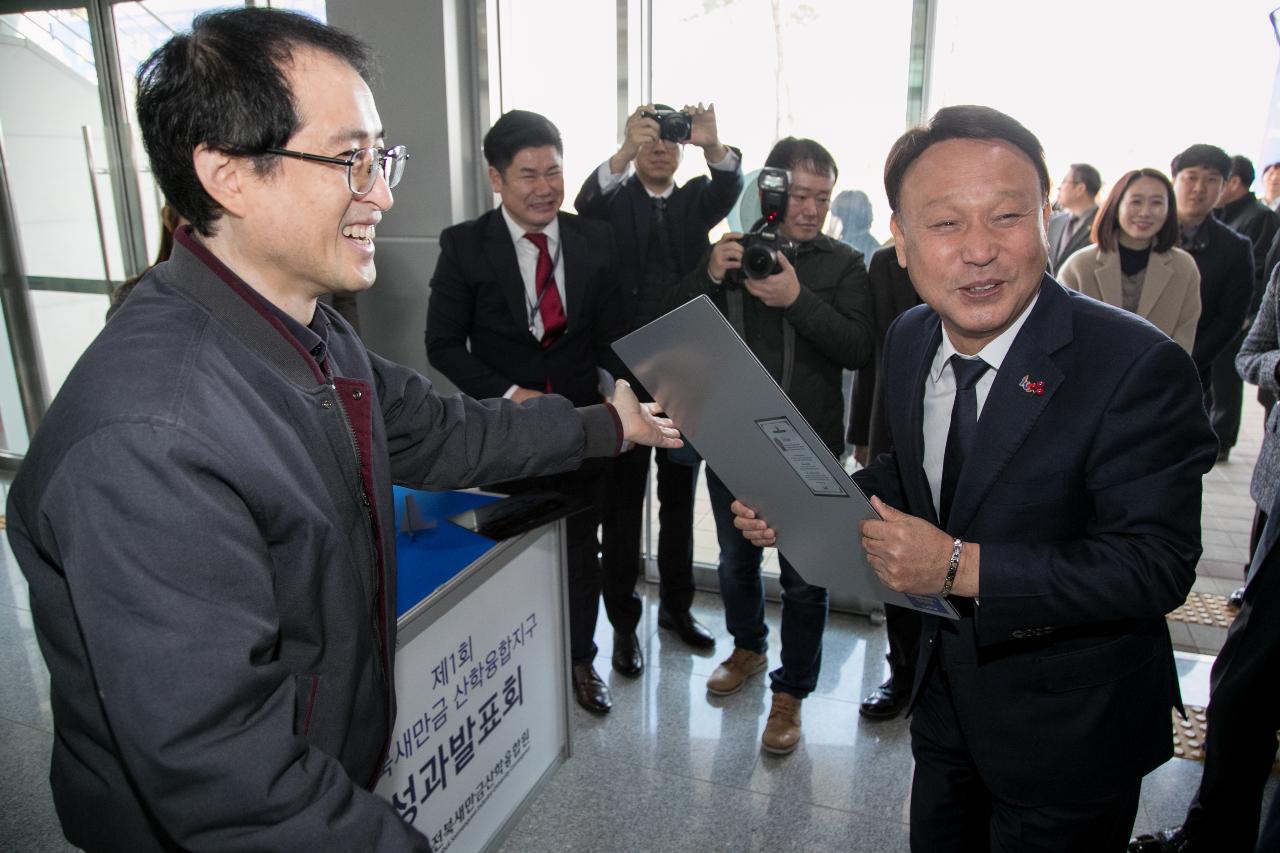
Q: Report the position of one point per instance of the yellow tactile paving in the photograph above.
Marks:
(1205, 608)
(1189, 735)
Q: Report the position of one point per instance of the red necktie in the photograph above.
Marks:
(548, 296)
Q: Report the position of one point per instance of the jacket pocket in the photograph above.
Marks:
(1104, 663)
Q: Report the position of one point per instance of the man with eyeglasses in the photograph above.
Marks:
(204, 515)
(524, 302)
(1070, 229)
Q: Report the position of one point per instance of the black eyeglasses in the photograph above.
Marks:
(363, 165)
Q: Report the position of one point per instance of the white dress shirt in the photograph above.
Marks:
(609, 179)
(940, 394)
(527, 259)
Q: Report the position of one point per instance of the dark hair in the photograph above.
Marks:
(792, 153)
(1107, 222)
(515, 131)
(961, 122)
(1242, 168)
(1204, 156)
(1089, 176)
(224, 85)
(1270, 166)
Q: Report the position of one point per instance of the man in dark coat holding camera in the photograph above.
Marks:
(807, 322)
(660, 233)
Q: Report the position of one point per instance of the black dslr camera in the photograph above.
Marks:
(761, 246)
(673, 125)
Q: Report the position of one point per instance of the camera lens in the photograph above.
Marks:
(675, 127)
(758, 261)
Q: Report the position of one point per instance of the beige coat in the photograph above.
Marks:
(1170, 298)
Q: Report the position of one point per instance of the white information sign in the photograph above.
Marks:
(481, 701)
(802, 458)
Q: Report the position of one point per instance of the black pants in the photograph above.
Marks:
(1227, 396)
(902, 624)
(953, 811)
(622, 517)
(582, 548)
(1244, 714)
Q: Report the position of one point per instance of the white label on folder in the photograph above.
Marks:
(801, 457)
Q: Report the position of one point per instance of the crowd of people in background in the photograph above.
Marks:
(1186, 254)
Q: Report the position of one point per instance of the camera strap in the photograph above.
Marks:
(735, 313)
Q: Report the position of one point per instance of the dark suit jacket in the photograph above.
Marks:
(1225, 260)
(891, 294)
(1085, 500)
(1249, 217)
(1082, 237)
(478, 298)
(692, 210)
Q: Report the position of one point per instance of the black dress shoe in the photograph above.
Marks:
(885, 702)
(1236, 599)
(1164, 841)
(627, 659)
(687, 628)
(589, 690)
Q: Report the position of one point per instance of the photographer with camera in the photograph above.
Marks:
(801, 301)
(660, 233)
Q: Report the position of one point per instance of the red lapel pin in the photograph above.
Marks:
(1031, 386)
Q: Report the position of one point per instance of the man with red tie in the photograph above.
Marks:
(524, 302)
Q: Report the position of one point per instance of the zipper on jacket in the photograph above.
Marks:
(378, 661)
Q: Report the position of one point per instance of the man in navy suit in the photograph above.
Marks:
(1045, 477)
(524, 302)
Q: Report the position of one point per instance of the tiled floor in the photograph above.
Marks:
(675, 769)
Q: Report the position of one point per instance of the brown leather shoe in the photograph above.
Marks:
(734, 671)
(782, 732)
(589, 690)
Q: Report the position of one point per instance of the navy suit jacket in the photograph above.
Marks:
(1085, 499)
(478, 314)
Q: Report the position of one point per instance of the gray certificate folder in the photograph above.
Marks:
(732, 412)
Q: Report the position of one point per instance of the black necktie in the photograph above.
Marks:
(660, 232)
(964, 423)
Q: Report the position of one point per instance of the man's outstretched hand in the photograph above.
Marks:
(640, 421)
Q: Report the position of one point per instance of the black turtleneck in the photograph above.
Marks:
(1133, 261)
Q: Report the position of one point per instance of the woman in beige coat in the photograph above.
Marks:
(1134, 264)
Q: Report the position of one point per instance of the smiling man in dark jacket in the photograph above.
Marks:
(204, 516)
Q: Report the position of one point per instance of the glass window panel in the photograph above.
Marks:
(826, 69)
(1118, 85)
(577, 87)
(57, 162)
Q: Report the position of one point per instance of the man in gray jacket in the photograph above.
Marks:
(204, 516)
